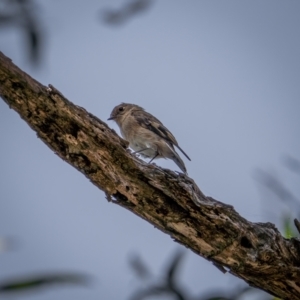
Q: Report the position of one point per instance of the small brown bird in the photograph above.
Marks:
(146, 134)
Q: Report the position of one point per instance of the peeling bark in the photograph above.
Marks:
(255, 252)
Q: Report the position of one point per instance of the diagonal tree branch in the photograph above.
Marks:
(255, 252)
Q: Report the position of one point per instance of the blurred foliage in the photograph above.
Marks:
(21, 14)
(284, 195)
(168, 286)
(289, 230)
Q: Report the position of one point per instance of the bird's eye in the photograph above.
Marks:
(121, 108)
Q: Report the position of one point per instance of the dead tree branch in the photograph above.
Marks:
(255, 252)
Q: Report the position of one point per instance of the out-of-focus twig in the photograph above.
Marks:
(297, 224)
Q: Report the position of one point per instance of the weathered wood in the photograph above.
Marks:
(255, 252)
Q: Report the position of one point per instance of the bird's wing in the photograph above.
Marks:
(149, 122)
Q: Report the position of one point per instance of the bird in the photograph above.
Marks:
(146, 134)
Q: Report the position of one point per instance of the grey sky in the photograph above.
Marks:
(223, 76)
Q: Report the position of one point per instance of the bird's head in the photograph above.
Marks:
(121, 110)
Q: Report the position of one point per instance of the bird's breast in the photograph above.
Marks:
(140, 139)
(142, 145)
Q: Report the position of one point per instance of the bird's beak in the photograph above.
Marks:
(111, 118)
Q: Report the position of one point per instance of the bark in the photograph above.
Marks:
(255, 252)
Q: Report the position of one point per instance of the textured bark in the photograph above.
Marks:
(255, 252)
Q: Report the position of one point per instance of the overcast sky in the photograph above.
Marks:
(223, 76)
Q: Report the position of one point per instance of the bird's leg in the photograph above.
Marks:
(139, 151)
(153, 158)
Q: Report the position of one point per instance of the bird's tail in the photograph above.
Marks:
(178, 161)
(183, 152)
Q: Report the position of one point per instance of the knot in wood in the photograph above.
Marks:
(266, 255)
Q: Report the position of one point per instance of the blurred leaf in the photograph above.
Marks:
(130, 9)
(173, 269)
(34, 40)
(139, 267)
(288, 227)
(35, 282)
